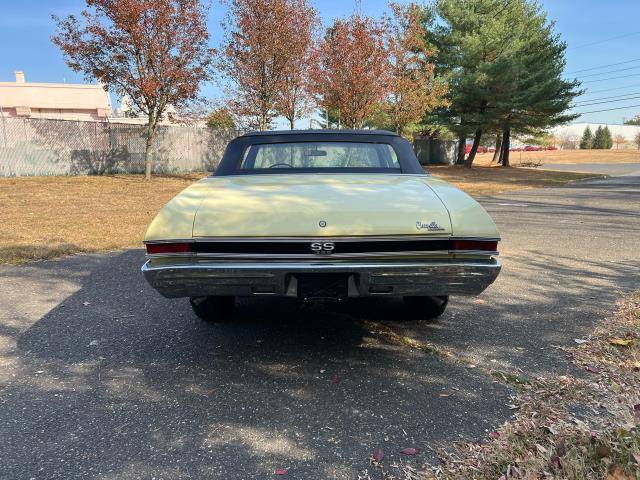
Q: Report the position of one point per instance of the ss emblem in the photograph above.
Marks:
(322, 248)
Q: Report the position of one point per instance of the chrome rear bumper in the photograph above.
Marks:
(184, 277)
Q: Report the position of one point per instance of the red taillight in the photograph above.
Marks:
(485, 245)
(153, 248)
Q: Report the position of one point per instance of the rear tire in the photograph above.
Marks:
(427, 308)
(212, 309)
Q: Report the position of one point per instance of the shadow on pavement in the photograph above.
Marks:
(118, 382)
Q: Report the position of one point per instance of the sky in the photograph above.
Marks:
(598, 33)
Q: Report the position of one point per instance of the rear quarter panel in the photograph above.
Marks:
(175, 219)
(468, 217)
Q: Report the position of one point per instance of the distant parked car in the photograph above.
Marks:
(481, 149)
(533, 148)
(321, 215)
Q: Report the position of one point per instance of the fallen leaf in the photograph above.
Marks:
(621, 342)
(603, 451)
(378, 455)
(445, 395)
(635, 365)
(580, 341)
(494, 434)
(636, 409)
(281, 471)
(335, 380)
(636, 457)
(617, 474)
(479, 300)
(410, 451)
(541, 449)
(592, 369)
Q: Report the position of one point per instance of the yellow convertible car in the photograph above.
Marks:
(319, 214)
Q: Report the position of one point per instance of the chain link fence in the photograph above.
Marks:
(36, 146)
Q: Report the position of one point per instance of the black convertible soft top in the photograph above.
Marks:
(233, 155)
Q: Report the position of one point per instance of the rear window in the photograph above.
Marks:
(333, 156)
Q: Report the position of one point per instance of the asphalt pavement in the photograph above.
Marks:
(103, 378)
(599, 168)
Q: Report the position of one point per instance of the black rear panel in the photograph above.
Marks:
(304, 247)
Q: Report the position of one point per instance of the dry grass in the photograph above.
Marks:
(567, 156)
(492, 180)
(47, 217)
(567, 427)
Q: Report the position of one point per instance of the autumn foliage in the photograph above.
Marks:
(265, 57)
(156, 52)
(350, 70)
(413, 88)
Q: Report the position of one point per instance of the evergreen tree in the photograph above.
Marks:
(599, 139)
(608, 139)
(587, 139)
(505, 65)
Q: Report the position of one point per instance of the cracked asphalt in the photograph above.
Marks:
(102, 378)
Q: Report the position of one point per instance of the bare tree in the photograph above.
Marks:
(619, 140)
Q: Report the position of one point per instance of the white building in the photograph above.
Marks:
(66, 101)
(573, 132)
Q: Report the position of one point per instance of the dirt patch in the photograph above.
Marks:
(493, 180)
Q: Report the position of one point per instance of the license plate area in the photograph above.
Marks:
(322, 285)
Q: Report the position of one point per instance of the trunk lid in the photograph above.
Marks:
(294, 205)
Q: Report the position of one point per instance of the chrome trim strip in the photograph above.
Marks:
(325, 238)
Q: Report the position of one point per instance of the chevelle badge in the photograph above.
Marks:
(432, 227)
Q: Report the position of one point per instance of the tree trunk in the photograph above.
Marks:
(474, 148)
(148, 151)
(291, 123)
(506, 139)
(496, 154)
(462, 143)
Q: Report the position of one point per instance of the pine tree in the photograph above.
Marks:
(587, 139)
(599, 139)
(506, 68)
(608, 139)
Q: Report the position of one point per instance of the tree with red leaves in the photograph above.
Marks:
(350, 72)
(294, 100)
(265, 55)
(413, 88)
(156, 52)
